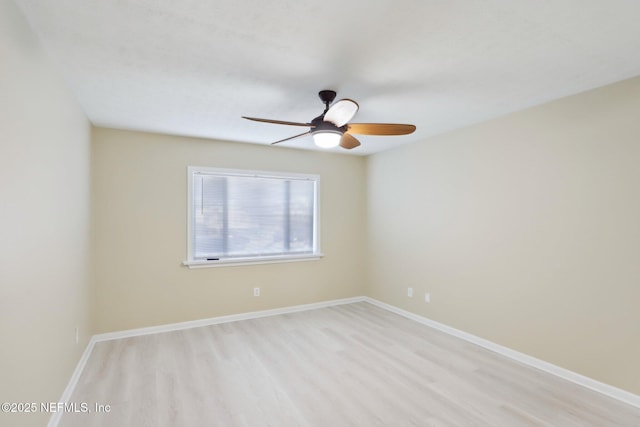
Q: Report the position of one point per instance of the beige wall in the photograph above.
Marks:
(524, 229)
(44, 223)
(140, 213)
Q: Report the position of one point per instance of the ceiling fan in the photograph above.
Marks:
(332, 127)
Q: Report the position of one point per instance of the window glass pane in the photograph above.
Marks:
(209, 213)
(255, 216)
(301, 213)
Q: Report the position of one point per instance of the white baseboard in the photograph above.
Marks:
(222, 319)
(73, 381)
(606, 389)
(589, 383)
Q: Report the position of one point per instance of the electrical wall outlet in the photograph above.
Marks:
(410, 292)
(77, 335)
(256, 292)
(427, 297)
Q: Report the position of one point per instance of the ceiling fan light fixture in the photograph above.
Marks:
(327, 139)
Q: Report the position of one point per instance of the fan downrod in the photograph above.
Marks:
(327, 96)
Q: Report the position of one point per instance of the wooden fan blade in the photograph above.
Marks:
(291, 137)
(347, 141)
(380, 128)
(341, 112)
(278, 122)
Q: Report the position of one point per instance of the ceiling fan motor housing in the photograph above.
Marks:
(320, 125)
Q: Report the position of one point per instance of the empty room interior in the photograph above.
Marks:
(339, 213)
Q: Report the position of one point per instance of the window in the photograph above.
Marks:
(240, 216)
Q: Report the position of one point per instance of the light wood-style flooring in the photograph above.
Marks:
(347, 365)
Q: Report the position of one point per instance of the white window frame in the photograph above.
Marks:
(264, 259)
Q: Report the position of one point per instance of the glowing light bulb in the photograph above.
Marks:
(327, 139)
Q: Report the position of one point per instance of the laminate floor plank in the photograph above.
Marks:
(348, 365)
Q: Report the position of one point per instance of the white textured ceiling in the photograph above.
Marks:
(193, 67)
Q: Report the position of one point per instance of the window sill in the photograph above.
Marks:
(231, 262)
